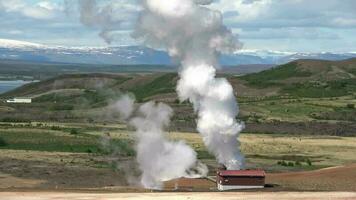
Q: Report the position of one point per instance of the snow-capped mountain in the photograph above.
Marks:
(19, 50)
(4, 43)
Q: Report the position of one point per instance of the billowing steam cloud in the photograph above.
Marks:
(125, 106)
(159, 159)
(109, 17)
(195, 35)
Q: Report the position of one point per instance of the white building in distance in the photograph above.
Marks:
(19, 100)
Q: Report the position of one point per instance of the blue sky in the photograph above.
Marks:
(282, 25)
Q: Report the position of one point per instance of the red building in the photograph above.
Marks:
(240, 179)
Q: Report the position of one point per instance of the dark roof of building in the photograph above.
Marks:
(253, 173)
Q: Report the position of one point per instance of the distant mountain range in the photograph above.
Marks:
(127, 55)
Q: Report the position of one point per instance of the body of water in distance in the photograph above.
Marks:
(6, 86)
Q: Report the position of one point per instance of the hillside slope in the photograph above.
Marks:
(142, 85)
(309, 78)
(302, 78)
(306, 96)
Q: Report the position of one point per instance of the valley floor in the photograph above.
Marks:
(333, 165)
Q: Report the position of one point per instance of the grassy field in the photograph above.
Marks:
(53, 137)
(81, 155)
(261, 150)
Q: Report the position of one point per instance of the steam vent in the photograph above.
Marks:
(240, 179)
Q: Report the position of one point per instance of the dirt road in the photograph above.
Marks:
(178, 196)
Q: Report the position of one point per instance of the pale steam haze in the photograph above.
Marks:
(195, 35)
(106, 18)
(125, 106)
(159, 159)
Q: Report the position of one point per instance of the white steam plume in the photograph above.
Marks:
(159, 159)
(125, 106)
(109, 16)
(195, 35)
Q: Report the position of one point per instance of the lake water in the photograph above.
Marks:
(10, 85)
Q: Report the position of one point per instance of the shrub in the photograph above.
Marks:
(297, 163)
(309, 162)
(290, 164)
(74, 131)
(350, 106)
(15, 120)
(282, 163)
(91, 120)
(2, 142)
(55, 128)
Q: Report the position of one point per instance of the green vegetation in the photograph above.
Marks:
(74, 132)
(309, 162)
(352, 71)
(119, 147)
(306, 96)
(269, 77)
(350, 106)
(306, 120)
(163, 84)
(2, 142)
(321, 90)
(297, 163)
(46, 141)
(341, 114)
(284, 152)
(54, 141)
(15, 120)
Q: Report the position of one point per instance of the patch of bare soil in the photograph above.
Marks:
(44, 170)
(186, 184)
(341, 178)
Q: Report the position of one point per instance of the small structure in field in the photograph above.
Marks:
(19, 100)
(240, 179)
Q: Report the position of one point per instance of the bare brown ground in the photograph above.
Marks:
(48, 170)
(178, 196)
(338, 180)
(45, 171)
(186, 184)
(341, 178)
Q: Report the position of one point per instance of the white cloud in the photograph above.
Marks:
(309, 33)
(40, 10)
(289, 13)
(275, 24)
(15, 32)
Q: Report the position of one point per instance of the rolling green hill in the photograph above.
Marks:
(298, 97)
(309, 78)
